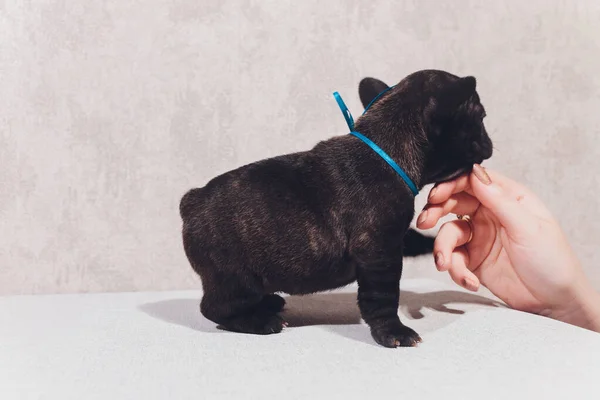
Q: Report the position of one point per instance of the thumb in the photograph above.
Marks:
(500, 202)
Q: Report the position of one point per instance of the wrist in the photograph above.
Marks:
(583, 310)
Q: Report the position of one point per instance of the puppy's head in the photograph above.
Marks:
(450, 115)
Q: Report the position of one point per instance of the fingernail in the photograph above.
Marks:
(481, 174)
(439, 259)
(422, 217)
(432, 193)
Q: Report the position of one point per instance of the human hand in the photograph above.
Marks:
(518, 250)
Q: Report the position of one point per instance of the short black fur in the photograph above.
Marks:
(321, 219)
(415, 243)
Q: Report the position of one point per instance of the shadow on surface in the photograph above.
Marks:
(412, 303)
(340, 311)
(184, 312)
(341, 308)
(336, 308)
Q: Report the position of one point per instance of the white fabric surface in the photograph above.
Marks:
(156, 345)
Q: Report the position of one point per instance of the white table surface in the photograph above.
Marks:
(156, 345)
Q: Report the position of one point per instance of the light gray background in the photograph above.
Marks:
(111, 110)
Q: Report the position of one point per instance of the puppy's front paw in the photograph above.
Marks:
(396, 336)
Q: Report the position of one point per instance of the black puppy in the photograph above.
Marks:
(321, 219)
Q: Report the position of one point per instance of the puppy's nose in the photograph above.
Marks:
(483, 150)
(487, 149)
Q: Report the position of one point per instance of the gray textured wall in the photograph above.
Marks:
(110, 110)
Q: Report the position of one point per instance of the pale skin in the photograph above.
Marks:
(517, 249)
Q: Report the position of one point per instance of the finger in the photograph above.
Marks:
(442, 191)
(460, 203)
(505, 182)
(460, 273)
(452, 235)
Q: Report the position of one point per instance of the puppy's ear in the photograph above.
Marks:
(369, 88)
(455, 94)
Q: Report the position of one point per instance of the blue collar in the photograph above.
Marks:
(376, 149)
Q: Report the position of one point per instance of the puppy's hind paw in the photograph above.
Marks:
(259, 323)
(273, 303)
(273, 324)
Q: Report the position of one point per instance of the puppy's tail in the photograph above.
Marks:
(417, 244)
(189, 202)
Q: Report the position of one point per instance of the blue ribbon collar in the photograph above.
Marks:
(373, 146)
